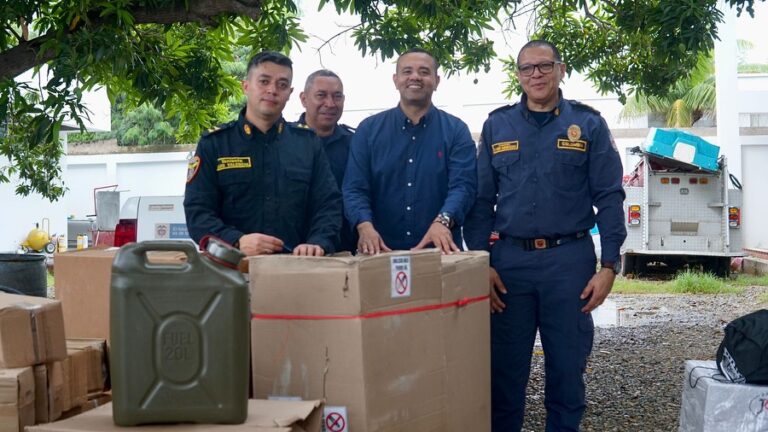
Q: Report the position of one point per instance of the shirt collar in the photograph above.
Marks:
(403, 120)
(249, 131)
(556, 111)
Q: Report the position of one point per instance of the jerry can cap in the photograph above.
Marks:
(221, 252)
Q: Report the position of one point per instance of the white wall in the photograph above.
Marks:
(754, 167)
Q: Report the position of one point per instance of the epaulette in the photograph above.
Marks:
(580, 105)
(347, 128)
(300, 126)
(503, 108)
(219, 128)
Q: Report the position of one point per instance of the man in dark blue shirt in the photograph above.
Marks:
(323, 100)
(261, 183)
(542, 166)
(411, 174)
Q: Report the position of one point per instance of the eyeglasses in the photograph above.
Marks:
(545, 68)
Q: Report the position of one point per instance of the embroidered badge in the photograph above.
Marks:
(192, 168)
(226, 163)
(247, 129)
(505, 146)
(574, 132)
(568, 144)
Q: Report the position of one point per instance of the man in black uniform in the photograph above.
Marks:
(323, 100)
(261, 183)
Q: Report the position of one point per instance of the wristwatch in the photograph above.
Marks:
(445, 219)
(615, 266)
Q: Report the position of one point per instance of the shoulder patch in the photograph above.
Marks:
(503, 108)
(583, 106)
(219, 128)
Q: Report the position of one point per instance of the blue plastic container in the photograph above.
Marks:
(682, 146)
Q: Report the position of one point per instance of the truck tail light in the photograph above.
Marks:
(675, 180)
(693, 180)
(734, 217)
(633, 215)
(703, 180)
(125, 232)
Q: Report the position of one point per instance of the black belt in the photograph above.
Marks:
(543, 242)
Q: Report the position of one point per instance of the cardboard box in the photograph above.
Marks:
(17, 399)
(467, 332)
(97, 373)
(31, 331)
(78, 378)
(263, 416)
(364, 333)
(83, 279)
(49, 389)
(711, 405)
(94, 401)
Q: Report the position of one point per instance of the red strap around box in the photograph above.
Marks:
(458, 303)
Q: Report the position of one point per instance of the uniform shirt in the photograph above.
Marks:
(336, 147)
(543, 180)
(243, 181)
(400, 176)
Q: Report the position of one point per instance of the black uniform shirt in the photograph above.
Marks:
(280, 183)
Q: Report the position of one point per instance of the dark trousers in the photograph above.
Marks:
(543, 289)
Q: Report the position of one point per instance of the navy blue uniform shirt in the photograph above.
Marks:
(543, 180)
(280, 183)
(400, 176)
(336, 147)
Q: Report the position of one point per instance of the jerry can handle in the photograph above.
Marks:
(141, 249)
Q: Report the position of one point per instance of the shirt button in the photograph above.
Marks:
(403, 127)
(413, 138)
(410, 184)
(408, 208)
(408, 233)
(410, 160)
(268, 198)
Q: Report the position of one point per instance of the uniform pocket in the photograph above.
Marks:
(234, 186)
(509, 170)
(570, 170)
(296, 186)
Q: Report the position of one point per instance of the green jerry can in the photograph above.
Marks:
(179, 335)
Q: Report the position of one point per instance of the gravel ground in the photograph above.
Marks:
(635, 374)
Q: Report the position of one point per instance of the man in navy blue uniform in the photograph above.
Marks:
(261, 183)
(411, 174)
(543, 164)
(323, 100)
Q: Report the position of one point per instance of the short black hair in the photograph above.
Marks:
(319, 73)
(271, 57)
(421, 51)
(539, 43)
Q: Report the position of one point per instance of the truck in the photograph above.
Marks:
(151, 218)
(680, 213)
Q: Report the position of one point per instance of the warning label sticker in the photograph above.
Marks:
(400, 267)
(335, 419)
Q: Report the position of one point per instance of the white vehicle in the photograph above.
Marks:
(679, 215)
(152, 218)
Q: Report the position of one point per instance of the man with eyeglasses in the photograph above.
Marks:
(543, 164)
(261, 183)
(323, 100)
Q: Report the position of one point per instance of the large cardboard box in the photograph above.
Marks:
(263, 416)
(49, 389)
(77, 378)
(17, 399)
(83, 279)
(31, 331)
(97, 373)
(712, 405)
(467, 333)
(364, 333)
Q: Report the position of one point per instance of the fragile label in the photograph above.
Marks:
(401, 276)
(335, 419)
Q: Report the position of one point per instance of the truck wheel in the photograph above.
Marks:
(628, 264)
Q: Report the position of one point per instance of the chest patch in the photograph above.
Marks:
(505, 146)
(226, 163)
(577, 145)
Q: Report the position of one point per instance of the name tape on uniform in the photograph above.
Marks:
(577, 145)
(226, 163)
(505, 146)
(400, 269)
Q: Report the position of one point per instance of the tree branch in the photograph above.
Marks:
(24, 56)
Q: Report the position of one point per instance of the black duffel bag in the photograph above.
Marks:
(743, 354)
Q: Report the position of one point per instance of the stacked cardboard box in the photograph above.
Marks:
(83, 279)
(263, 416)
(17, 399)
(388, 341)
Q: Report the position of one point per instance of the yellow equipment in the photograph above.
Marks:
(39, 240)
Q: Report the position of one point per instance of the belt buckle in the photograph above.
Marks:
(540, 243)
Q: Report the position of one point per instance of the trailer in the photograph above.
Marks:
(680, 215)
